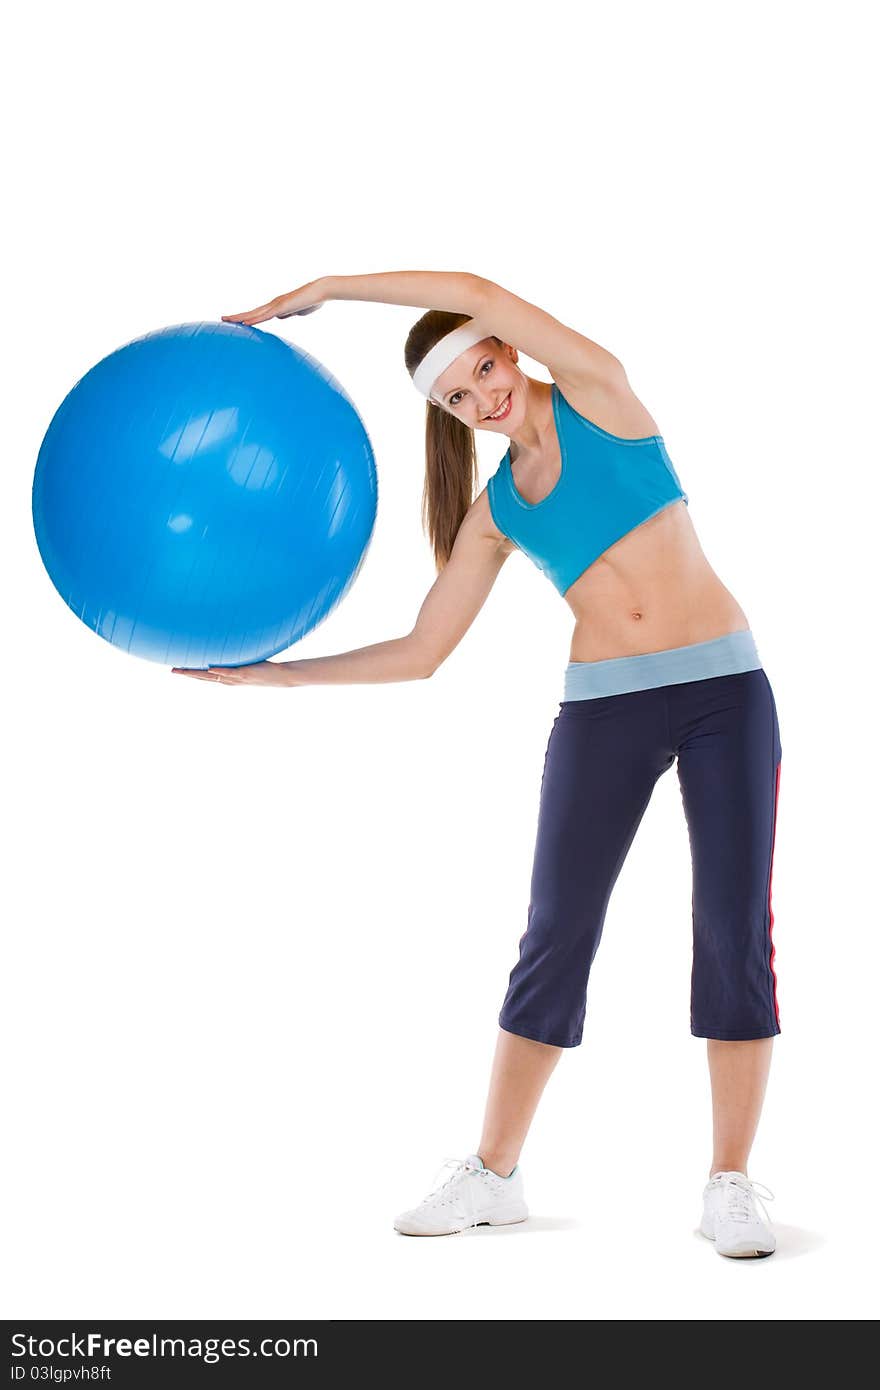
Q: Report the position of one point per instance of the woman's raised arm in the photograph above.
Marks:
(569, 356)
(453, 290)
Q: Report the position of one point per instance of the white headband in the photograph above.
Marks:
(444, 353)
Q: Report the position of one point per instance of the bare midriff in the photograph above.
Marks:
(654, 588)
(651, 590)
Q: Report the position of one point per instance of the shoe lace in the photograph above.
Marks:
(463, 1196)
(742, 1197)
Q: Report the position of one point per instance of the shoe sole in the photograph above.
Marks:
(739, 1254)
(509, 1221)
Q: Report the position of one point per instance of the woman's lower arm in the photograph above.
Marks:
(399, 659)
(458, 292)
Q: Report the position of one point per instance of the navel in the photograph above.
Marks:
(637, 615)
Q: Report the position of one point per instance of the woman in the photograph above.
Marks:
(662, 666)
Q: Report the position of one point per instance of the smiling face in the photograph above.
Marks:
(479, 382)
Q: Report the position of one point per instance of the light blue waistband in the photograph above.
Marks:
(720, 656)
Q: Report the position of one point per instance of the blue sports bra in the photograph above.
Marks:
(607, 487)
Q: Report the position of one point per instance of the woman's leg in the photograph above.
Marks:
(603, 759)
(738, 1072)
(728, 766)
(520, 1072)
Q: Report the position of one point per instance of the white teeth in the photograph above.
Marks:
(501, 409)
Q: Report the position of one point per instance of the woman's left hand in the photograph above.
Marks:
(260, 673)
(304, 300)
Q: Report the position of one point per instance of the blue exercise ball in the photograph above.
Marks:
(205, 495)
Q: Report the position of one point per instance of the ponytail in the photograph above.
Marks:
(451, 474)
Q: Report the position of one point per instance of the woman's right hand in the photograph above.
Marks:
(305, 300)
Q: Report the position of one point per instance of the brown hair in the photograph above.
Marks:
(450, 450)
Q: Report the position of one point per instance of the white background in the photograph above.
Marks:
(256, 941)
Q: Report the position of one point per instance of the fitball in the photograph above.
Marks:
(205, 495)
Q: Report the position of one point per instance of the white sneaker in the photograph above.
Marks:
(731, 1217)
(471, 1195)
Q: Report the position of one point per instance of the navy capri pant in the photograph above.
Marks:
(622, 724)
